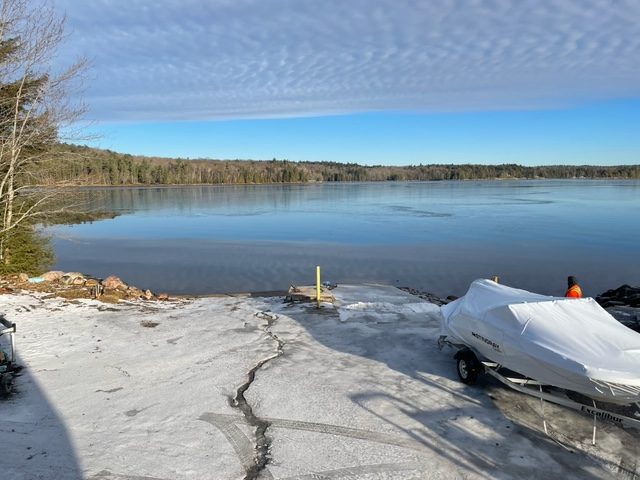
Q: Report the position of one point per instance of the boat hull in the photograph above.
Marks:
(570, 344)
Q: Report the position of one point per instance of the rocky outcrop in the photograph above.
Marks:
(72, 285)
(429, 297)
(623, 303)
(52, 276)
(114, 283)
(73, 278)
(623, 295)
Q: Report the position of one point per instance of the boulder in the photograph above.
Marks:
(163, 296)
(634, 300)
(134, 292)
(623, 295)
(23, 277)
(70, 278)
(114, 283)
(612, 303)
(113, 295)
(148, 294)
(52, 276)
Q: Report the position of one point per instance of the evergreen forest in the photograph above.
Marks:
(90, 166)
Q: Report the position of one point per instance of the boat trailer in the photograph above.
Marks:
(7, 362)
(469, 366)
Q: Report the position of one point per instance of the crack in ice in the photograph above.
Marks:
(263, 442)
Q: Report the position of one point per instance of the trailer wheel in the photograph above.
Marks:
(468, 367)
(6, 385)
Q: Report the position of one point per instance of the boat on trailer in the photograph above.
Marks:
(528, 341)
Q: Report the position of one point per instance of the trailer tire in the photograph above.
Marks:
(468, 367)
(6, 385)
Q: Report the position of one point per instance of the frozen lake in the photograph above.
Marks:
(436, 236)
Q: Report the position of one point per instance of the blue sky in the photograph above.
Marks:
(366, 81)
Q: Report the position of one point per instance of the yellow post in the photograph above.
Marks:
(318, 285)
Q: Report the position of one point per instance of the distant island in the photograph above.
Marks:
(84, 166)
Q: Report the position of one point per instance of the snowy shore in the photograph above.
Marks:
(188, 390)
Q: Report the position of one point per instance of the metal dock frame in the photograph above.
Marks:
(524, 385)
(9, 328)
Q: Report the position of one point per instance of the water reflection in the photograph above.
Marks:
(433, 235)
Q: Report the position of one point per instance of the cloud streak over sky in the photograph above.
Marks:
(216, 59)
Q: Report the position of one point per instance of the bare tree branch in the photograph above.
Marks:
(34, 107)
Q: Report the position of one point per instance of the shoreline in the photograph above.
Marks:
(622, 303)
(16, 283)
(336, 182)
(78, 285)
(75, 285)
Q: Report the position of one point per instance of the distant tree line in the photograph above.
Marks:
(91, 166)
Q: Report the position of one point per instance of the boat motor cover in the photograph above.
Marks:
(543, 337)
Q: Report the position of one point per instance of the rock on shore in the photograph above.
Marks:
(73, 285)
(623, 303)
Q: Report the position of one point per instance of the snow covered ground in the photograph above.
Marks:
(357, 390)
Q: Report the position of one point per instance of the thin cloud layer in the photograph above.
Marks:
(208, 59)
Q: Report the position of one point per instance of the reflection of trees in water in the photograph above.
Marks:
(225, 199)
(252, 199)
(28, 250)
(435, 236)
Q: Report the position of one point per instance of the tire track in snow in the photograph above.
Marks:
(240, 443)
(222, 421)
(217, 419)
(107, 475)
(354, 472)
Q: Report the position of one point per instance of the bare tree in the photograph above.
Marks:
(35, 105)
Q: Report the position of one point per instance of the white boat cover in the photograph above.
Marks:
(568, 343)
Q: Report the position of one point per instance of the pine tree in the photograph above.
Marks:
(34, 105)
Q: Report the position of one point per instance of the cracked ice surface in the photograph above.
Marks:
(361, 392)
(104, 397)
(367, 394)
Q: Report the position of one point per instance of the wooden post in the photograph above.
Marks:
(318, 285)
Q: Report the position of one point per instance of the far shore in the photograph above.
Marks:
(337, 182)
